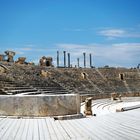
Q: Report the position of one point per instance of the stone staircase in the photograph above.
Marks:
(9, 87)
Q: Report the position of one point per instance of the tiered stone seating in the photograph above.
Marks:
(70, 80)
(27, 81)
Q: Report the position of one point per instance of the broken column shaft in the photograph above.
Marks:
(84, 59)
(57, 58)
(64, 58)
(90, 56)
(78, 62)
(69, 60)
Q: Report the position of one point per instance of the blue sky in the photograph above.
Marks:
(109, 29)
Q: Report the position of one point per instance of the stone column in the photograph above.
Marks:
(138, 66)
(78, 62)
(69, 60)
(64, 58)
(90, 56)
(57, 58)
(84, 59)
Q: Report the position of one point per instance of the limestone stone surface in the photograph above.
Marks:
(21, 60)
(50, 105)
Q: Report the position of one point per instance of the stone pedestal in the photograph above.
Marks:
(88, 109)
(113, 96)
(120, 98)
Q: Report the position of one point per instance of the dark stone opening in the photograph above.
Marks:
(84, 75)
(122, 76)
(48, 63)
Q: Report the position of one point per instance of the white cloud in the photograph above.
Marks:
(119, 33)
(26, 49)
(112, 32)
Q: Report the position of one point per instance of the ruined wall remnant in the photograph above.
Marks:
(10, 55)
(49, 61)
(43, 61)
(21, 60)
(2, 57)
(46, 61)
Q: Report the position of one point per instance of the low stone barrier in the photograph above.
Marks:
(108, 95)
(39, 105)
(128, 108)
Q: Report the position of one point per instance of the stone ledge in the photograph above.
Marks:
(69, 117)
(39, 106)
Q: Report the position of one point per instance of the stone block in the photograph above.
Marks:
(39, 106)
(88, 107)
(113, 96)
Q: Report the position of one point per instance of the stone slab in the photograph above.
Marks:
(39, 106)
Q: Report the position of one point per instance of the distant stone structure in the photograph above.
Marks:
(46, 61)
(10, 55)
(49, 61)
(2, 57)
(138, 66)
(21, 60)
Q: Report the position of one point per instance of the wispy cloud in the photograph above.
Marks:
(113, 32)
(119, 33)
(26, 49)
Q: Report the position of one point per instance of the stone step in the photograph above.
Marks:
(20, 91)
(56, 92)
(16, 88)
(11, 85)
(29, 93)
(53, 90)
(53, 87)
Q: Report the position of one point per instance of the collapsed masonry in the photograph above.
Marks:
(9, 55)
(46, 61)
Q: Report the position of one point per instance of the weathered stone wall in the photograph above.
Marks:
(97, 82)
(39, 106)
